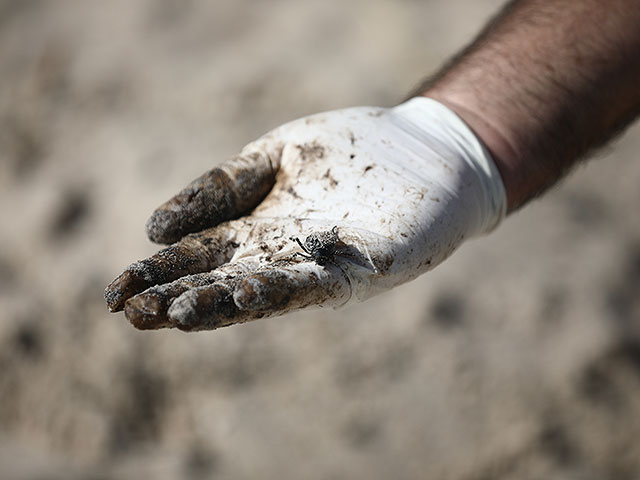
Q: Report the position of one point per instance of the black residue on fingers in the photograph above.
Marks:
(188, 256)
(275, 291)
(148, 310)
(205, 308)
(265, 291)
(200, 204)
(124, 286)
(210, 200)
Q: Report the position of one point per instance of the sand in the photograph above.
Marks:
(519, 357)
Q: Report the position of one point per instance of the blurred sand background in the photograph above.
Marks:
(517, 358)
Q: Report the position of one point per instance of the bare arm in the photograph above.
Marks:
(545, 83)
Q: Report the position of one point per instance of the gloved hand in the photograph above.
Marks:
(321, 211)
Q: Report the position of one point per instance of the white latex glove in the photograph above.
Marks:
(378, 196)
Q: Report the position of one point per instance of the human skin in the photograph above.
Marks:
(544, 84)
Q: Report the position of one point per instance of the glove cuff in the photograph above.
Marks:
(436, 121)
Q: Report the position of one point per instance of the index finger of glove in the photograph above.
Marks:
(223, 193)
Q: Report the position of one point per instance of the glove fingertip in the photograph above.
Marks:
(161, 227)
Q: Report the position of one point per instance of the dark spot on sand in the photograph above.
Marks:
(555, 442)
(605, 381)
(138, 416)
(361, 432)
(201, 462)
(22, 144)
(72, 211)
(29, 341)
(8, 272)
(553, 305)
(448, 310)
(622, 299)
(585, 209)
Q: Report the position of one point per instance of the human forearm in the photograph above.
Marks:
(546, 82)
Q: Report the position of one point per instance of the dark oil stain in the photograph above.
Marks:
(211, 199)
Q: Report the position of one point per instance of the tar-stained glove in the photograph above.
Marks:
(324, 210)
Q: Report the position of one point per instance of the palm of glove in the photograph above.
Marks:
(371, 198)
